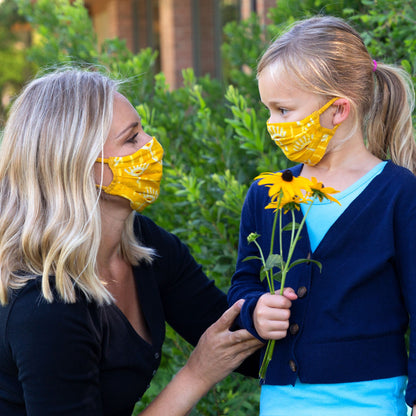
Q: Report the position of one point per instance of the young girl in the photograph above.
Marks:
(341, 332)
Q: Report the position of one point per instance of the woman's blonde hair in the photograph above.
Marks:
(50, 222)
(325, 55)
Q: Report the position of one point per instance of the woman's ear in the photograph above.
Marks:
(342, 110)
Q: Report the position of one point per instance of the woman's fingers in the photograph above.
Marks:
(228, 317)
(220, 351)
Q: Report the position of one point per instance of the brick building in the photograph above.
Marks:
(187, 33)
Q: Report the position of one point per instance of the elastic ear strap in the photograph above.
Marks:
(327, 105)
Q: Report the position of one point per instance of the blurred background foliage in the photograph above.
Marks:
(213, 131)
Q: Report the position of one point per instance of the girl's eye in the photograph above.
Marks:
(283, 111)
(132, 139)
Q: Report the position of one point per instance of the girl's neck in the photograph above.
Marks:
(343, 164)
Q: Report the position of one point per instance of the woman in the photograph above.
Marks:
(86, 284)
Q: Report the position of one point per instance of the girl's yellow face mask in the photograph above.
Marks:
(136, 177)
(303, 141)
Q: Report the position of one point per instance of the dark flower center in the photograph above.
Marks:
(287, 175)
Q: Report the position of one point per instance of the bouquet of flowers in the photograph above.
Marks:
(286, 193)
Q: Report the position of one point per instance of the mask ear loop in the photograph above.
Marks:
(100, 160)
(327, 105)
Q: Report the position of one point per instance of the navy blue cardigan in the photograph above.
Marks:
(349, 321)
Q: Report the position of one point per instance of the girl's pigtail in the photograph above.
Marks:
(389, 128)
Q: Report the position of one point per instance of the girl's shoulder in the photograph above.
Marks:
(398, 179)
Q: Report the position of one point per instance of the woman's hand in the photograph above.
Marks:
(271, 314)
(219, 351)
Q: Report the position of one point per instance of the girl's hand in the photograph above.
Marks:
(219, 350)
(271, 314)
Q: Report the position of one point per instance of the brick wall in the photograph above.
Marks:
(186, 32)
(112, 19)
(261, 7)
(175, 39)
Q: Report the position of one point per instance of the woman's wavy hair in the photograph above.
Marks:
(50, 223)
(325, 55)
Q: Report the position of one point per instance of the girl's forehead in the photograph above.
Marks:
(274, 80)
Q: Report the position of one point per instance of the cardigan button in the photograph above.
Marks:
(293, 366)
(302, 292)
(294, 329)
(157, 355)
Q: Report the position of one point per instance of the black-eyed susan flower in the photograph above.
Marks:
(291, 186)
(320, 191)
(286, 203)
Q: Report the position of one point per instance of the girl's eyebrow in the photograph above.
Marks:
(280, 101)
(129, 127)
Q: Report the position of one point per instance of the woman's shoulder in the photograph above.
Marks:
(28, 311)
(172, 257)
(154, 236)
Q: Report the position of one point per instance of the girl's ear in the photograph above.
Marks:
(342, 110)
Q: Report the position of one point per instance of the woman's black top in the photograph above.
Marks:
(84, 359)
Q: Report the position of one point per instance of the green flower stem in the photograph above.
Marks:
(293, 241)
(267, 358)
(292, 235)
(269, 277)
(293, 245)
(274, 223)
(277, 214)
(281, 238)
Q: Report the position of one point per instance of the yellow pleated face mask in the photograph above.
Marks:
(136, 177)
(303, 141)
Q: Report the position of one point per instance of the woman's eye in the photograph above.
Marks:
(132, 139)
(283, 111)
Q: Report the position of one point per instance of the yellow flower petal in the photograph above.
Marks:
(285, 182)
(318, 189)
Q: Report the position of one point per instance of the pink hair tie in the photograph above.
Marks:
(375, 65)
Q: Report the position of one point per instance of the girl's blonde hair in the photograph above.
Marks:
(325, 55)
(50, 222)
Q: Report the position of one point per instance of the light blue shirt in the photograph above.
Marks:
(323, 214)
(383, 397)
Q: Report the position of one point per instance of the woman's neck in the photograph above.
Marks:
(112, 226)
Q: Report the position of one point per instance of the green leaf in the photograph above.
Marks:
(278, 276)
(288, 227)
(252, 258)
(274, 260)
(300, 261)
